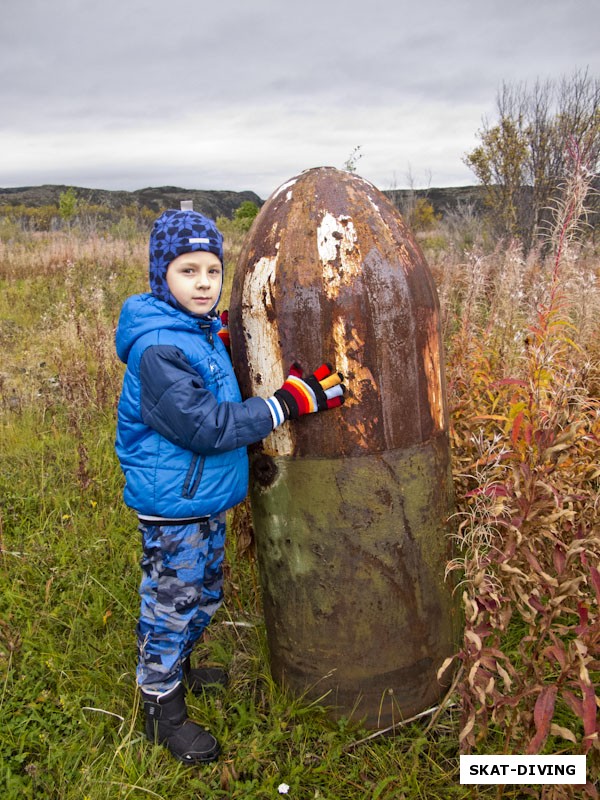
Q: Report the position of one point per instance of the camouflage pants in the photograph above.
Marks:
(181, 589)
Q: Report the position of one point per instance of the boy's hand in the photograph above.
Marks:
(223, 334)
(318, 392)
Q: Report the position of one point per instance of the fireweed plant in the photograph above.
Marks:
(526, 443)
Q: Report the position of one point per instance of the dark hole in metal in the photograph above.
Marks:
(264, 470)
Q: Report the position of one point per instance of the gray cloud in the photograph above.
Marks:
(241, 95)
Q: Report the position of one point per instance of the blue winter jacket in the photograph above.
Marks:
(182, 427)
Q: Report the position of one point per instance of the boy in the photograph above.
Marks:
(181, 440)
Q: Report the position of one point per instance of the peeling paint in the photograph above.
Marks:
(347, 352)
(283, 187)
(337, 244)
(433, 369)
(262, 339)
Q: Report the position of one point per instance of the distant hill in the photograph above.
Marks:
(224, 203)
(211, 203)
(444, 200)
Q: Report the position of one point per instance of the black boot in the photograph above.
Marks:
(167, 723)
(204, 678)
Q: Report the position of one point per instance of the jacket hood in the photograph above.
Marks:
(143, 313)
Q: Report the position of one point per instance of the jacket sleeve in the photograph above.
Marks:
(175, 403)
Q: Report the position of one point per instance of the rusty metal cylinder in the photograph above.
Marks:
(350, 507)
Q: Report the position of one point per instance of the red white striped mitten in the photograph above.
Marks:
(320, 391)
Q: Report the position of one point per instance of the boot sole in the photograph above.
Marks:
(207, 759)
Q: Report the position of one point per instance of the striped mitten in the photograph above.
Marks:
(223, 334)
(318, 392)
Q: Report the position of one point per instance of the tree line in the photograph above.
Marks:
(74, 212)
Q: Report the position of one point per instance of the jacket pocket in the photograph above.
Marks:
(193, 477)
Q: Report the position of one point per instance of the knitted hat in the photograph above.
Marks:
(176, 232)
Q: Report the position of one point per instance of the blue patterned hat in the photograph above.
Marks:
(174, 233)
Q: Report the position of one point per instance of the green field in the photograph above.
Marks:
(523, 369)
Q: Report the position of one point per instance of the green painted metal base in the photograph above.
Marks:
(352, 554)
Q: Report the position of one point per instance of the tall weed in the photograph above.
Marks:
(526, 440)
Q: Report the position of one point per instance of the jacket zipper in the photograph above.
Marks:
(193, 477)
(207, 331)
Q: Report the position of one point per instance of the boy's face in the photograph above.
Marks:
(194, 280)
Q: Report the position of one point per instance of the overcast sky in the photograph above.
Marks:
(245, 94)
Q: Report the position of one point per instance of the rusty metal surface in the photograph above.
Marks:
(350, 506)
(330, 270)
(351, 554)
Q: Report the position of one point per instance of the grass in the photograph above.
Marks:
(69, 551)
(68, 705)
